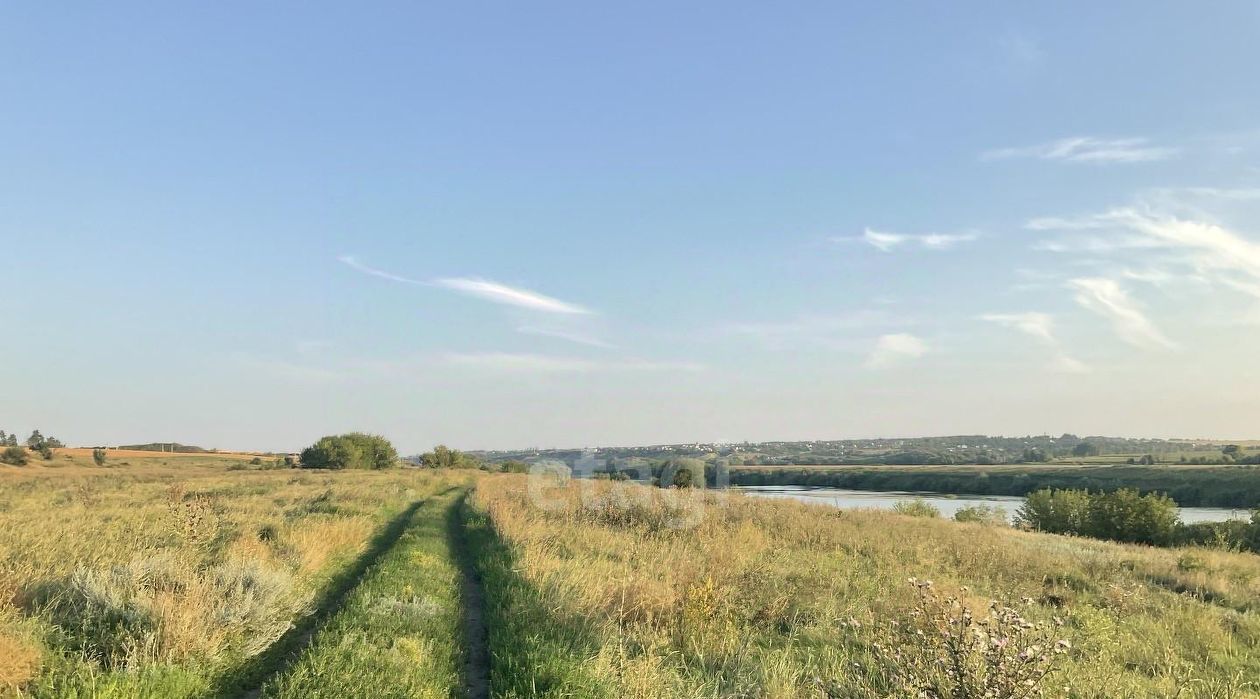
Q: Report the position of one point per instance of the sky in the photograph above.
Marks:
(565, 224)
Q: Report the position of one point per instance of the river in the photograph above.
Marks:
(947, 504)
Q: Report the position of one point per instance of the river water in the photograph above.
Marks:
(947, 504)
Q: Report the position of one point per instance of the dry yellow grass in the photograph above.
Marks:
(171, 561)
(19, 662)
(778, 599)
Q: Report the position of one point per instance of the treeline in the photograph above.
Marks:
(1129, 516)
(1227, 486)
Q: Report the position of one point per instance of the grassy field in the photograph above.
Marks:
(203, 576)
(1190, 486)
(605, 598)
(171, 576)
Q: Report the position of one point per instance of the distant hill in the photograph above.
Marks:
(170, 447)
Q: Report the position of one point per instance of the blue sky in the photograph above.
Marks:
(566, 224)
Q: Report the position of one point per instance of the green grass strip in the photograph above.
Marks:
(399, 633)
(535, 651)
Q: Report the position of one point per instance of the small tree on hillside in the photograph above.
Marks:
(98, 455)
(35, 441)
(13, 455)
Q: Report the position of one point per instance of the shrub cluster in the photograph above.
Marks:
(916, 508)
(353, 450)
(1122, 515)
(14, 456)
(443, 456)
(982, 514)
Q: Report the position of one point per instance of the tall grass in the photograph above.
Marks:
(165, 579)
(608, 596)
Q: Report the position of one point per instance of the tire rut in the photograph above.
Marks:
(472, 598)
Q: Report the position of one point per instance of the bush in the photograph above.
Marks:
(982, 514)
(353, 450)
(1123, 515)
(916, 508)
(514, 467)
(98, 456)
(443, 456)
(14, 456)
(1055, 511)
(1127, 516)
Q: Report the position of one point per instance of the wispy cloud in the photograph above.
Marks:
(485, 289)
(1087, 149)
(1214, 252)
(890, 242)
(510, 296)
(1108, 299)
(1039, 326)
(894, 349)
(354, 264)
(549, 364)
(1068, 365)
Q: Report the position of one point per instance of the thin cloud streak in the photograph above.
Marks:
(1087, 149)
(484, 289)
(1038, 325)
(510, 296)
(1108, 299)
(354, 264)
(889, 242)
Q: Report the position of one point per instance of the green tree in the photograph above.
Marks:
(352, 450)
(1055, 511)
(1126, 515)
(1231, 450)
(98, 455)
(35, 441)
(13, 455)
(443, 456)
